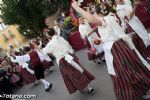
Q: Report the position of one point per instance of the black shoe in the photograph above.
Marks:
(104, 61)
(51, 70)
(99, 62)
(49, 88)
(91, 91)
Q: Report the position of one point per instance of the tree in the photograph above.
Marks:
(30, 14)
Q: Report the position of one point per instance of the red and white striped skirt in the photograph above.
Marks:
(132, 78)
(74, 79)
(140, 46)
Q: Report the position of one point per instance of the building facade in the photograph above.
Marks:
(10, 37)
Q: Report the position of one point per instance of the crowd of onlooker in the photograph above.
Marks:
(10, 76)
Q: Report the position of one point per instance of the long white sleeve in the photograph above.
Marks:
(41, 56)
(23, 58)
(47, 49)
(67, 44)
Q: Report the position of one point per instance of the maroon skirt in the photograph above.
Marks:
(14, 78)
(74, 79)
(47, 64)
(140, 46)
(27, 77)
(132, 78)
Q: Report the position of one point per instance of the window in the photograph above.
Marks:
(11, 34)
(2, 26)
(5, 37)
(16, 42)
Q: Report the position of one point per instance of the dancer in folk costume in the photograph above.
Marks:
(131, 23)
(130, 73)
(36, 58)
(47, 63)
(26, 71)
(85, 29)
(75, 76)
(88, 35)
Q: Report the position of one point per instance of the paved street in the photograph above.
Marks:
(102, 84)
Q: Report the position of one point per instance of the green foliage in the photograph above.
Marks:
(30, 14)
(68, 21)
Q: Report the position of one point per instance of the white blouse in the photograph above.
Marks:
(84, 29)
(99, 48)
(124, 11)
(26, 58)
(121, 12)
(108, 37)
(58, 47)
(128, 4)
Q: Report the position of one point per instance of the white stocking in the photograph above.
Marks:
(46, 83)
